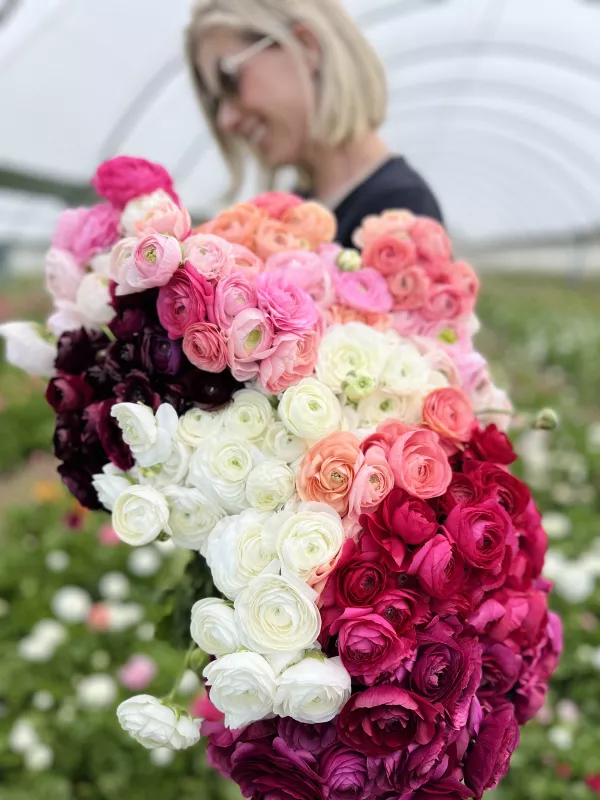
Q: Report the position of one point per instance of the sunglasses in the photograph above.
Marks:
(228, 72)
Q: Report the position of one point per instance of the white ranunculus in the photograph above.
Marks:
(405, 370)
(94, 301)
(277, 613)
(242, 686)
(214, 628)
(140, 515)
(282, 445)
(173, 471)
(380, 406)
(149, 435)
(310, 410)
(109, 484)
(307, 539)
(236, 551)
(155, 724)
(197, 425)
(66, 317)
(313, 691)
(192, 516)
(221, 467)
(281, 661)
(138, 209)
(95, 692)
(270, 485)
(63, 274)
(350, 349)
(248, 416)
(28, 349)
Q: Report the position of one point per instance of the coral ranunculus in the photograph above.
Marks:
(328, 470)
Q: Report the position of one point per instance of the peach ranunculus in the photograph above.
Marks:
(311, 222)
(328, 470)
(373, 482)
(167, 218)
(390, 254)
(342, 315)
(463, 275)
(205, 347)
(273, 236)
(245, 261)
(409, 288)
(238, 225)
(293, 357)
(420, 464)
(431, 240)
(449, 413)
(395, 222)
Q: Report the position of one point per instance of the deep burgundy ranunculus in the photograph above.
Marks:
(77, 477)
(67, 436)
(345, 773)
(447, 669)
(129, 323)
(462, 490)
(384, 719)
(144, 301)
(403, 609)
(222, 741)
(67, 393)
(501, 668)
(495, 482)
(311, 738)
(444, 789)
(137, 388)
(160, 354)
(208, 389)
(369, 646)
(275, 772)
(439, 567)
(173, 394)
(490, 444)
(111, 438)
(489, 756)
(121, 358)
(76, 350)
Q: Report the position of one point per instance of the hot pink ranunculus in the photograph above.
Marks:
(205, 347)
(63, 274)
(289, 307)
(292, 358)
(86, 232)
(209, 254)
(431, 240)
(137, 673)
(420, 465)
(439, 567)
(249, 340)
(233, 295)
(155, 260)
(307, 270)
(124, 178)
(188, 298)
(365, 290)
(167, 218)
(276, 203)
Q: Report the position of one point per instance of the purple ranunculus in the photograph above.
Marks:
(488, 758)
(222, 741)
(67, 436)
(311, 738)
(501, 668)
(444, 789)
(129, 322)
(121, 358)
(345, 773)
(76, 350)
(160, 354)
(67, 393)
(275, 772)
(111, 438)
(208, 389)
(137, 388)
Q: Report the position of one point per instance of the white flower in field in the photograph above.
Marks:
(349, 350)
(192, 516)
(114, 586)
(561, 737)
(248, 416)
(144, 562)
(556, 525)
(140, 515)
(213, 627)
(197, 425)
(221, 467)
(27, 348)
(93, 300)
(138, 209)
(282, 445)
(42, 701)
(96, 692)
(71, 604)
(22, 736)
(242, 687)
(380, 406)
(313, 691)
(277, 613)
(109, 484)
(58, 560)
(155, 724)
(574, 582)
(270, 485)
(236, 551)
(310, 410)
(38, 758)
(173, 471)
(189, 684)
(149, 435)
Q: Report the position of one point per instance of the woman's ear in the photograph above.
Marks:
(310, 46)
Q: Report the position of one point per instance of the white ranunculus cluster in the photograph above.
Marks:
(155, 724)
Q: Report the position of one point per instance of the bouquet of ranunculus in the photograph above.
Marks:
(316, 425)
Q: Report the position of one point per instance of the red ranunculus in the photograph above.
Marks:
(403, 608)
(490, 444)
(481, 533)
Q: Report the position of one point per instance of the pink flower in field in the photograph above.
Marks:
(289, 307)
(124, 178)
(107, 536)
(245, 261)
(137, 673)
(98, 618)
(205, 347)
(166, 218)
(233, 295)
(307, 270)
(293, 357)
(210, 255)
(365, 290)
(249, 340)
(63, 274)
(86, 232)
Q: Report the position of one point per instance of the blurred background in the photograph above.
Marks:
(497, 103)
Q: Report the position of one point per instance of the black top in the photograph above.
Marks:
(395, 185)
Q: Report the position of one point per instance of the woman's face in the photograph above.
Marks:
(272, 107)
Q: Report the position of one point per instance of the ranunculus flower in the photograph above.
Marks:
(501, 668)
(311, 222)
(481, 533)
(187, 299)
(328, 471)
(245, 261)
(311, 411)
(160, 355)
(431, 240)
(495, 482)
(521, 615)
(368, 645)
(149, 435)
(192, 515)
(154, 723)
(222, 465)
(86, 232)
(372, 483)
(270, 485)
(155, 260)
(68, 393)
(449, 413)
(390, 255)
(443, 303)
(443, 789)
(213, 627)
(365, 290)
(111, 436)
(137, 388)
(140, 514)
(205, 347)
(276, 203)
(249, 340)
(289, 307)
(489, 756)
(384, 719)
(76, 474)
(403, 609)
(352, 349)
(27, 349)
(310, 738)
(242, 686)
(124, 178)
(237, 225)
(291, 358)
(272, 237)
(439, 567)
(209, 255)
(409, 288)
(307, 270)
(233, 294)
(314, 690)
(109, 484)
(393, 223)
(167, 218)
(63, 274)
(269, 771)
(420, 465)
(463, 489)
(345, 773)
(490, 444)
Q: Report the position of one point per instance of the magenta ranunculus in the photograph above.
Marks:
(205, 347)
(311, 738)
(275, 772)
(384, 719)
(444, 789)
(86, 232)
(489, 756)
(233, 295)
(439, 567)
(521, 615)
(539, 662)
(188, 298)
(289, 307)
(501, 669)
(345, 773)
(403, 608)
(365, 290)
(124, 178)
(481, 533)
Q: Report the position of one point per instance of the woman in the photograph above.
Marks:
(295, 83)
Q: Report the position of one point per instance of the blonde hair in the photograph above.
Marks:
(352, 98)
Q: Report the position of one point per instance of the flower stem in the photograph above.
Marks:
(108, 333)
(171, 696)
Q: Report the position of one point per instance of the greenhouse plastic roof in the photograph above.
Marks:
(497, 102)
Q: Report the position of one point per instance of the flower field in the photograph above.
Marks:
(97, 643)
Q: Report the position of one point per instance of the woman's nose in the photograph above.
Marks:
(229, 117)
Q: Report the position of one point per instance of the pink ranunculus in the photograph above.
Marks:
(308, 271)
(122, 263)
(431, 240)
(444, 303)
(290, 308)
(155, 260)
(482, 533)
(276, 203)
(124, 178)
(233, 295)
(188, 298)
(409, 288)
(202, 708)
(365, 290)
(439, 567)
(137, 673)
(329, 252)
(166, 218)
(420, 465)
(245, 261)
(292, 358)
(86, 232)
(372, 483)
(389, 254)
(249, 340)
(209, 254)
(107, 536)
(63, 274)
(205, 347)
(448, 412)
(396, 222)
